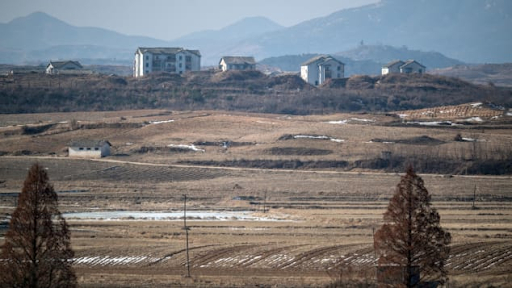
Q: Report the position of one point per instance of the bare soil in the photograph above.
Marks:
(327, 215)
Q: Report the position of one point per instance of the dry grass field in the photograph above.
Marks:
(310, 225)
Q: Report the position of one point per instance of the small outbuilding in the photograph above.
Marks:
(412, 66)
(58, 67)
(407, 67)
(89, 148)
(237, 63)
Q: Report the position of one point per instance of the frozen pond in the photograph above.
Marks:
(171, 216)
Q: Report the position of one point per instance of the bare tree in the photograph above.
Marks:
(412, 238)
(37, 250)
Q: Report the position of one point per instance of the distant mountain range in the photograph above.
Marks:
(472, 31)
(469, 30)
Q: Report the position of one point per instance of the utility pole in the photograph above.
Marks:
(186, 231)
(474, 196)
(265, 202)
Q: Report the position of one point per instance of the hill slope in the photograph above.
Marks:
(238, 90)
(39, 36)
(454, 28)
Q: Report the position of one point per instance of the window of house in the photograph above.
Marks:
(180, 65)
(188, 58)
(81, 148)
(147, 57)
(96, 148)
(181, 57)
(339, 68)
(147, 65)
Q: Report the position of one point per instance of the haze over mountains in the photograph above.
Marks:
(475, 31)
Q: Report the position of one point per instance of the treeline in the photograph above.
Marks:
(242, 91)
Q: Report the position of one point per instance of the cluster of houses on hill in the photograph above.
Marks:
(315, 71)
(178, 60)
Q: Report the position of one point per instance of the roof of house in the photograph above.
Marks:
(393, 63)
(89, 143)
(60, 64)
(166, 50)
(409, 62)
(238, 60)
(321, 59)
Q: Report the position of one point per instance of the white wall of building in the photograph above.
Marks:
(315, 73)
(89, 152)
(412, 67)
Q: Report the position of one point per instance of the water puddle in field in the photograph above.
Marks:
(172, 216)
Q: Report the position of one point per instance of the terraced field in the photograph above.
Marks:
(308, 227)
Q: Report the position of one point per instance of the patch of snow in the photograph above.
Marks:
(311, 137)
(474, 119)
(478, 104)
(168, 216)
(434, 123)
(468, 139)
(63, 122)
(190, 147)
(351, 119)
(403, 115)
(161, 122)
(509, 113)
(337, 140)
(322, 137)
(338, 122)
(362, 120)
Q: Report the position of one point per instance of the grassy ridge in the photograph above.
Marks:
(237, 91)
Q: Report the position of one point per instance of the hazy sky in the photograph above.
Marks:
(169, 19)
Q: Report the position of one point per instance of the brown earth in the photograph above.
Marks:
(320, 222)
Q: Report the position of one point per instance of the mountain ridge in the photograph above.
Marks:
(447, 26)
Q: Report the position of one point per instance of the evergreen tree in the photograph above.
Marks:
(37, 250)
(412, 237)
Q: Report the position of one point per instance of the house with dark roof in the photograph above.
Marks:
(63, 67)
(87, 148)
(237, 63)
(318, 69)
(407, 67)
(165, 59)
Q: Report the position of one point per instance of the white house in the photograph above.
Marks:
(412, 66)
(62, 67)
(173, 60)
(317, 70)
(392, 67)
(89, 148)
(237, 63)
(399, 66)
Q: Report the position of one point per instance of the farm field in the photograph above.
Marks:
(255, 225)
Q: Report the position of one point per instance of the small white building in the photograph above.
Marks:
(318, 69)
(392, 67)
(63, 67)
(237, 63)
(163, 59)
(89, 148)
(412, 66)
(399, 66)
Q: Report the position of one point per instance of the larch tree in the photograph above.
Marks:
(411, 237)
(37, 250)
